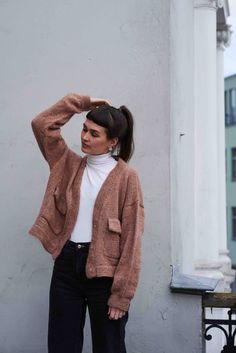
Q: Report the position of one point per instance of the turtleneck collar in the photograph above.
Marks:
(99, 159)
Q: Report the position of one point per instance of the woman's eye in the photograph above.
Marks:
(94, 134)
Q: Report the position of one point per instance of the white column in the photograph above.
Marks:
(206, 139)
(223, 40)
(182, 135)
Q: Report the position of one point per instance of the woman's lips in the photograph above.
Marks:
(84, 144)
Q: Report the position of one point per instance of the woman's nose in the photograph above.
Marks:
(85, 136)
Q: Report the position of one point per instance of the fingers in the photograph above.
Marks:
(115, 313)
(105, 101)
(99, 101)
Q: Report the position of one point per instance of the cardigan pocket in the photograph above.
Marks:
(60, 201)
(112, 238)
(55, 212)
(51, 222)
(114, 225)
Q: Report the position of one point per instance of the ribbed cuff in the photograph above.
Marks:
(83, 100)
(116, 301)
(86, 102)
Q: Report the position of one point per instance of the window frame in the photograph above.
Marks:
(233, 218)
(233, 163)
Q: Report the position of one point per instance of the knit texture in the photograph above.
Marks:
(118, 215)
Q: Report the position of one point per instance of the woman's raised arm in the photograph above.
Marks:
(46, 125)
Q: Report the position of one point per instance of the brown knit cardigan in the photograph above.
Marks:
(118, 216)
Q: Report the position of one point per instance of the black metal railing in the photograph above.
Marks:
(221, 300)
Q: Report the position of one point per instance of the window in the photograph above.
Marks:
(227, 223)
(233, 163)
(233, 223)
(226, 108)
(226, 163)
(232, 98)
(232, 104)
(226, 102)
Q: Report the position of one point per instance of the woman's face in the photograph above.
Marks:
(94, 138)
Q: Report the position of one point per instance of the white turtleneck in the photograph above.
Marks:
(97, 169)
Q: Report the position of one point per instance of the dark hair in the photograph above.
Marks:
(118, 123)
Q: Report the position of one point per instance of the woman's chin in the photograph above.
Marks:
(84, 149)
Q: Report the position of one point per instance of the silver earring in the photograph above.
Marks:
(110, 148)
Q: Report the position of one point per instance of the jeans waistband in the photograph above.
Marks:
(77, 246)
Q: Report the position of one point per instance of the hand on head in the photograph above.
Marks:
(95, 102)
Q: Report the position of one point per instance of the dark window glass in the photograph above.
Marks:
(233, 223)
(227, 223)
(232, 105)
(226, 163)
(226, 108)
(226, 93)
(233, 163)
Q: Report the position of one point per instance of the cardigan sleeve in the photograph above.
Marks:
(127, 272)
(46, 125)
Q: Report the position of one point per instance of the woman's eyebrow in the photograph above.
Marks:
(84, 125)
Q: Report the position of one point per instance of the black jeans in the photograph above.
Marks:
(71, 292)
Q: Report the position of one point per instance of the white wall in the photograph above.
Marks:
(120, 51)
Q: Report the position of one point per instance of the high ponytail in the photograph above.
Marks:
(126, 144)
(118, 123)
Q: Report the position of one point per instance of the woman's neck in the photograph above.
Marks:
(99, 159)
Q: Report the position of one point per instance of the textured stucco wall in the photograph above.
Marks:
(120, 51)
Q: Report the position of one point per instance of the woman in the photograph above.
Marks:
(91, 220)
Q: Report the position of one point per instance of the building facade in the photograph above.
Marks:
(230, 151)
